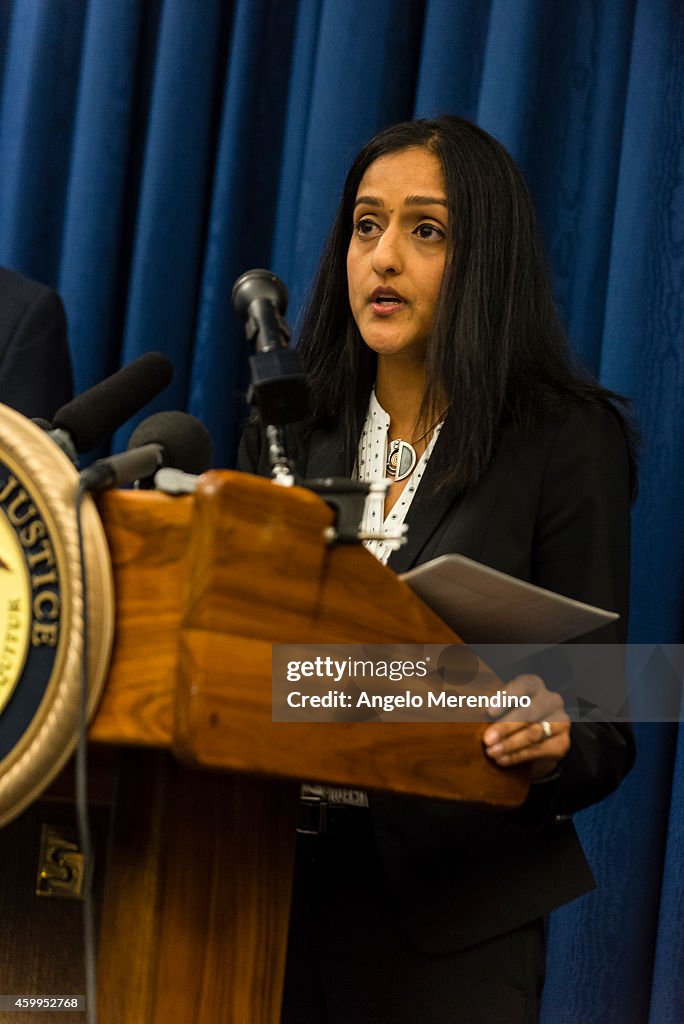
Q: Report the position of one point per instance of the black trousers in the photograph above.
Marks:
(349, 961)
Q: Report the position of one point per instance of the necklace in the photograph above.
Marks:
(402, 456)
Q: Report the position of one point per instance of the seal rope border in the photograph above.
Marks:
(51, 736)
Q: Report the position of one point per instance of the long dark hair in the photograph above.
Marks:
(497, 351)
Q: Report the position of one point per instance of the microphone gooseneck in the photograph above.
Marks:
(58, 437)
(279, 388)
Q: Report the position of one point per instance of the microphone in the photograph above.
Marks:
(260, 298)
(279, 389)
(124, 468)
(93, 416)
(185, 441)
(173, 439)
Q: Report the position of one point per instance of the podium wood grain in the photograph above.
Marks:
(283, 584)
(196, 905)
(198, 888)
(148, 535)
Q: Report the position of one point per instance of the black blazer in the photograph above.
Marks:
(553, 507)
(35, 368)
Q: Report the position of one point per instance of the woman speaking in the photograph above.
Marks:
(436, 361)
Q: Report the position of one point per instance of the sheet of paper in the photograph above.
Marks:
(483, 605)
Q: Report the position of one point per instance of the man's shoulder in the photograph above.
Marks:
(20, 294)
(14, 285)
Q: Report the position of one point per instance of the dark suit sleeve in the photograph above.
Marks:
(582, 550)
(35, 367)
(249, 451)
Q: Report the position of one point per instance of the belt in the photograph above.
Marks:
(318, 816)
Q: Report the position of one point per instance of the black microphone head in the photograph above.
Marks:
(40, 422)
(186, 442)
(94, 416)
(258, 284)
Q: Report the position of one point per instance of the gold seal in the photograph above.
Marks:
(42, 620)
(15, 624)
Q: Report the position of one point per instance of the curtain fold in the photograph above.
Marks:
(642, 352)
(361, 76)
(96, 206)
(667, 991)
(171, 214)
(151, 152)
(41, 71)
(242, 208)
(455, 36)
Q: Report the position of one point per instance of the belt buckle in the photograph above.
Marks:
(313, 816)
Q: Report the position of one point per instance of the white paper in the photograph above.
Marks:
(483, 605)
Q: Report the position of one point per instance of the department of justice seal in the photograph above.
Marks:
(42, 610)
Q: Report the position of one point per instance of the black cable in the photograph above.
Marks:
(84, 835)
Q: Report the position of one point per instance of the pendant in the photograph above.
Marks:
(401, 459)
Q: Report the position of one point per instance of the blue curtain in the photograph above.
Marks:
(152, 151)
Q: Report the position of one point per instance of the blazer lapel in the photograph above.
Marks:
(425, 513)
(326, 459)
(326, 454)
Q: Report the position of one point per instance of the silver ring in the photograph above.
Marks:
(546, 729)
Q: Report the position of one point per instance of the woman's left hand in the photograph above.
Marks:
(539, 733)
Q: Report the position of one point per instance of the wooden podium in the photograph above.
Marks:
(196, 897)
